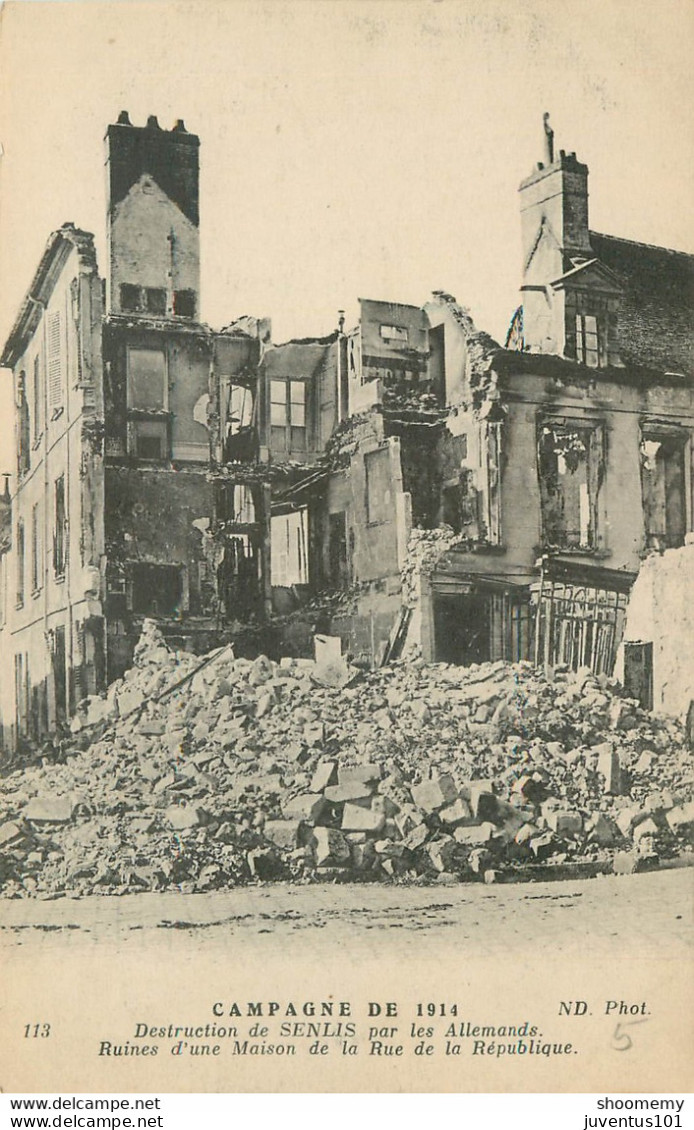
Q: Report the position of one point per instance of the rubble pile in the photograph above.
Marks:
(198, 774)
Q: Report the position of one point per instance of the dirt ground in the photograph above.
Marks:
(644, 913)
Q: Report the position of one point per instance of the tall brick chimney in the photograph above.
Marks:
(554, 231)
(153, 218)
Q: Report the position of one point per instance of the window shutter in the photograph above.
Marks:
(55, 383)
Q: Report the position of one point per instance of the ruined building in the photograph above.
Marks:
(124, 402)
(406, 484)
(495, 503)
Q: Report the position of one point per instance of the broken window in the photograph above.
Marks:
(184, 303)
(459, 501)
(148, 393)
(288, 416)
(570, 462)
(59, 539)
(663, 488)
(289, 559)
(20, 563)
(377, 473)
(398, 334)
(36, 554)
(240, 439)
(156, 300)
(130, 298)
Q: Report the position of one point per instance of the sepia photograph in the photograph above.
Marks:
(346, 546)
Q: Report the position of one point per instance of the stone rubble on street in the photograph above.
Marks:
(196, 774)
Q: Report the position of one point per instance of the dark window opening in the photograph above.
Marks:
(156, 590)
(59, 539)
(663, 489)
(36, 569)
(130, 298)
(462, 629)
(337, 550)
(20, 562)
(184, 303)
(59, 674)
(150, 439)
(156, 300)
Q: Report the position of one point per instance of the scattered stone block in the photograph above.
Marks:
(325, 774)
(610, 768)
(10, 833)
(183, 816)
(442, 853)
(50, 810)
(434, 794)
(455, 814)
(306, 806)
(350, 791)
(358, 819)
(330, 847)
(285, 834)
(681, 819)
(363, 774)
(474, 833)
(601, 830)
(565, 823)
(418, 836)
(625, 862)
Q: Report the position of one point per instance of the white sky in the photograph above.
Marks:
(348, 149)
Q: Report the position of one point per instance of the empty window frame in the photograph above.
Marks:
(59, 531)
(663, 488)
(399, 334)
(378, 494)
(147, 383)
(571, 467)
(288, 403)
(289, 560)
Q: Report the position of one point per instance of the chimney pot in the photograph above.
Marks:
(549, 139)
(124, 118)
(152, 122)
(180, 126)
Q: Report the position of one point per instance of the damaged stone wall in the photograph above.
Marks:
(154, 550)
(661, 612)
